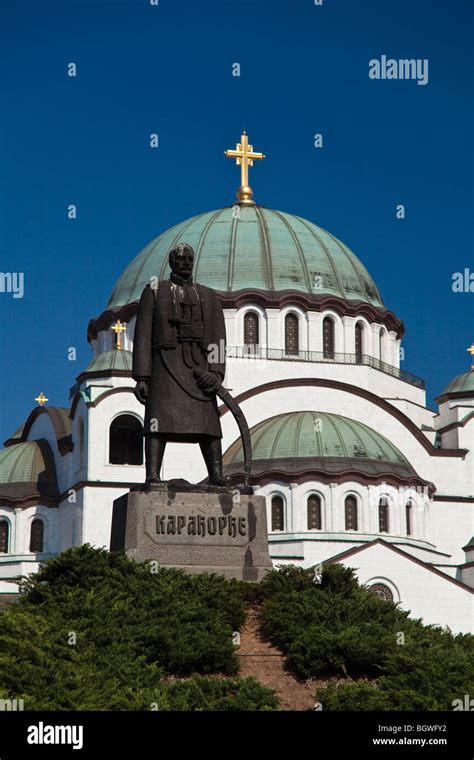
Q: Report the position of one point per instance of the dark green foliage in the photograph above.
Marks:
(134, 628)
(131, 626)
(335, 627)
(354, 696)
(198, 693)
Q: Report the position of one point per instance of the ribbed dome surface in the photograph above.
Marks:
(111, 360)
(298, 435)
(262, 249)
(27, 471)
(461, 384)
(21, 463)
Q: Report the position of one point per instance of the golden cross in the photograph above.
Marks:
(244, 155)
(41, 399)
(471, 351)
(119, 327)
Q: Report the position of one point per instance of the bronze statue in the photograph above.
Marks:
(179, 366)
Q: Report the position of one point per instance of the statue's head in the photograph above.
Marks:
(181, 260)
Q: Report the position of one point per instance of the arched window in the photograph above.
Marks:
(408, 513)
(382, 591)
(37, 535)
(328, 338)
(314, 512)
(350, 506)
(278, 517)
(126, 440)
(359, 342)
(291, 334)
(251, 331)
(4, 530)
(383, 515)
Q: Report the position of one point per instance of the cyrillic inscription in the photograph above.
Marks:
(198, 525)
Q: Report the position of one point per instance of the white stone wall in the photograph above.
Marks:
(20, 560)
(97, 514)
(43, 428)
(100, 419)
(20, 520)
(436, 600)
(246, 373)
(70, 520)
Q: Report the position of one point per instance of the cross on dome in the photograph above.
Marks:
(471, 351)
(244, 155)
(118, 328)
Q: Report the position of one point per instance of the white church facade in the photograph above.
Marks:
(354, 466)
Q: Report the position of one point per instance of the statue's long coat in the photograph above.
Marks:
(176, 406)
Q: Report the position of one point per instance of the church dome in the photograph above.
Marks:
(249, 246)
(27, 474)
(110, 362)
(461, 384)
(324, 444)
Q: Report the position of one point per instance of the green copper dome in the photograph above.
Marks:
(329, 443)
(461, 384)
(110, 361)
(258, 248)
(27, 471)
(21, 463)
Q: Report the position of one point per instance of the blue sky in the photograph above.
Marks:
(168, 69)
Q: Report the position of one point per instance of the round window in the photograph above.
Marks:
(382, 591)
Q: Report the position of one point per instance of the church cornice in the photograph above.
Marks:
(102, 373)
(269, 300)
(18, 500)
(454, 396)
(304, 475)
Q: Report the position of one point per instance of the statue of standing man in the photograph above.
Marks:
(179, 325)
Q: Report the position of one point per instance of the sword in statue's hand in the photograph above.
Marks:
(239, 417)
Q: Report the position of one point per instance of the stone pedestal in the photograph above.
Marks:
(198, 532)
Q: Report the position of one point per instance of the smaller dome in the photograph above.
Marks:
(27, 472)
(111, 361)
(461, 384)
(325, 445)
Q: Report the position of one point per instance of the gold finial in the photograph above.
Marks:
(119, 327)
(471, 351)
(244, 157)
(41, 399)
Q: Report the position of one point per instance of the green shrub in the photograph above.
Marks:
(199, 693)
(94, 630)
(335, 627)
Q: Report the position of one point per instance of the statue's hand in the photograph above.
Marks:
(141, 391)
(208, 381)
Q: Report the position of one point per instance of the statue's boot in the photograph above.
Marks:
(212, 453)
(154, 452)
